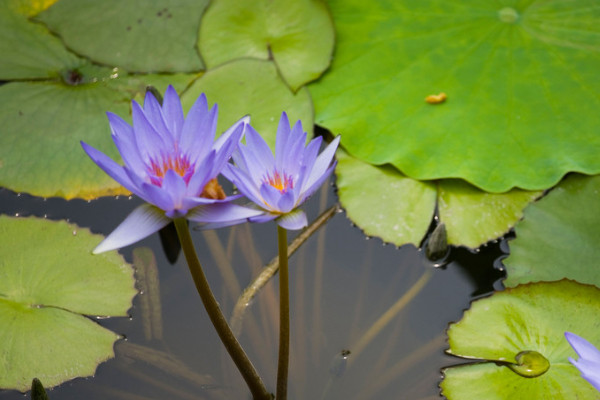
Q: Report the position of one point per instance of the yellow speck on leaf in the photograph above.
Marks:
(436, 98)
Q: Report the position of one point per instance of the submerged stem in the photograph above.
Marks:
(284, 316)
(257, 387)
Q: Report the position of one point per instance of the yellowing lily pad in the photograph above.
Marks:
(398, 209)
(136, 35)
(297, 35)
(48, 279)
(529, 320)
(251, 87)
(558, 237)
(519, 77)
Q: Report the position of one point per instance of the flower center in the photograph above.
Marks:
(176, 162)
(281, 182)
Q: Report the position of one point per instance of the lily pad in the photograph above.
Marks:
(48, 278)
(297, 35)
(131, 34)
(383, 202)
(473, 217)
(520, 79)
(251, 87)
(530, 318)
(398, 209)
(29, 50)
(558, 237)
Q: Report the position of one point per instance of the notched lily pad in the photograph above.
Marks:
(520, 79)
(297, 35)
(251, 87)
(132, 34)
(47, 280)
(518, 334)
(385, 203)
(559, 236)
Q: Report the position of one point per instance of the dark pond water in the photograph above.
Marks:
(368, 320)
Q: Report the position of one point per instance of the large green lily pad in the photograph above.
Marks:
(530, 317)
(297, 35)
(132, 34)
(251, 87)
(385, 203)
(29, 50)
(520, 78)
(558, 237)
(48, 277)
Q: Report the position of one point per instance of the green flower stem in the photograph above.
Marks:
(257, 387)
(284, 316)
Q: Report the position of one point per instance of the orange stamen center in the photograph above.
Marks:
(281, 182)
(178, 163)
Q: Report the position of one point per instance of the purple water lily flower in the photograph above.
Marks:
(279, 184)
(172, 163)
(589, 359)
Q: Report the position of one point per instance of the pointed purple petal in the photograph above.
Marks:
(142, 222)
(310, 190)
(322, 163)
(244, 184)
(153, 113)
(258, 150)
(174, 185)
(172, 112)
(122, 134)
(291, 157)
(227, 134)
(198, 131)
(201, 176)
(283, 134)
(226, 149)
(149, 142)
(114, 170)
(222, 213)
(293, 220)
(583, 348)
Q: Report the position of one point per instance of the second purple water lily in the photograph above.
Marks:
(279, 184)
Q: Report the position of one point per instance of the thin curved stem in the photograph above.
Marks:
(284, 316)
(257, 387)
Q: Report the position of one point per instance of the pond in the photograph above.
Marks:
(368, 320)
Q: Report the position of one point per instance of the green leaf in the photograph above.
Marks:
(531, 318)
(131, 34)
(43, 124)
(520, 78)
(251, 87)
(297, 35)
(559, 236)
(28, 50)
(43, 291)
(473, 217)
(385, 203)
